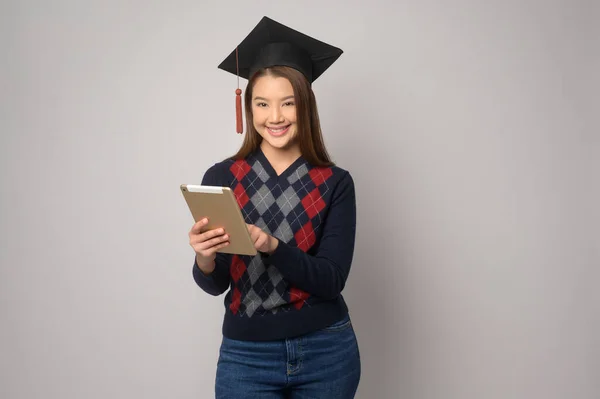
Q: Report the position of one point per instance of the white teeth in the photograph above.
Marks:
(281, 129)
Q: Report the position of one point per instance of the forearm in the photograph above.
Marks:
(318, 275)
(215, 281)
(323, 272)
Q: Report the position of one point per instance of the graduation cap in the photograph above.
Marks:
(273, 44)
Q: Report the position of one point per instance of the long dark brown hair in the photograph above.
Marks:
(309, 135)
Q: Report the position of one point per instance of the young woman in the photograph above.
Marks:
(286, 330)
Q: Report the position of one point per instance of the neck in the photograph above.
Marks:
(280, 159)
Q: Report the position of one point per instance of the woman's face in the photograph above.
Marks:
(274, 112)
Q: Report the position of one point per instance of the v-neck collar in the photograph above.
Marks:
(260, 155)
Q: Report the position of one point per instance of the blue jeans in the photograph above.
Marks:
(323, 364)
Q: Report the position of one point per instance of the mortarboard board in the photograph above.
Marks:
(273, 44)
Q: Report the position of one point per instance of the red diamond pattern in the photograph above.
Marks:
(305, 237)
(313, 203)
(240, 195)
(319, 175)
(236, 299)
(297, 297)
(237, 268)
(240, 169)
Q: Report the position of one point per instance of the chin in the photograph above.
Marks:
(282, 142)
(279, 144)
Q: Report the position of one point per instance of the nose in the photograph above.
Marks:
(276, 116)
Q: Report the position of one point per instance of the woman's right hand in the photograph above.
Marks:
(206, 245)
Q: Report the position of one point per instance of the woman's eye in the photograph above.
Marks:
(289, 104)
(261, 104)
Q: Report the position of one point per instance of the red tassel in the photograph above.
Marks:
(238, 111)
(238, 98)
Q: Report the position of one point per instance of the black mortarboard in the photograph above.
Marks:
(273, 44)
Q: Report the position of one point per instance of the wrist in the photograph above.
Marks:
(206, 268)
(274, 243)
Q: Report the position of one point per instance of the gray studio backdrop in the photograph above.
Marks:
(467, 126)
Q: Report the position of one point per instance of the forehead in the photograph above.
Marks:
(272, 86)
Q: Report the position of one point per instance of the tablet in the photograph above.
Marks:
(219, 205)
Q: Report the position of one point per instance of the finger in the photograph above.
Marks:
(256, 233)
(201, 238)
(259, 242)
(204, 245)
(222, 245)
(207, 235)
(197, 227)
(210, 254)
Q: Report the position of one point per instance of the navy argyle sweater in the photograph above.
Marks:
(297, 289)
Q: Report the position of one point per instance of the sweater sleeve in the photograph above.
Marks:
(218, 281)
(323, 274)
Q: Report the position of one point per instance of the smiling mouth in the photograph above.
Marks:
(278, 131)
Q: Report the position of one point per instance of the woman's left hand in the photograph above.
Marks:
(263, 242)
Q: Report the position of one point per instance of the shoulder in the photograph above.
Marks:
(334, 172)
(334, 178)
(345, 182)
(219, 173)
(343, 177)
(338, 170)
(343, 193)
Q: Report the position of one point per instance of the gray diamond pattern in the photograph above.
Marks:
(273, 301)
(262, 199)
(298, 174)
(275, 276)
(262, 225)
(252, 302)
(260, 171)
(284, 232)
(288, 201)
(255, 269)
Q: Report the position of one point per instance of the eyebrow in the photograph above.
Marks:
(264, 99)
